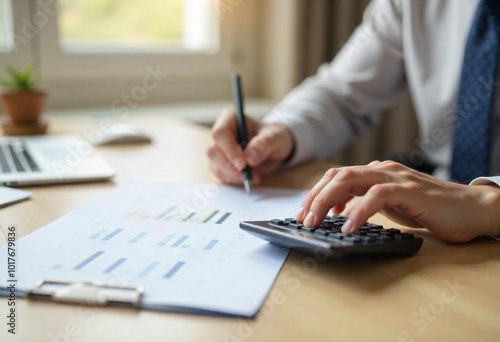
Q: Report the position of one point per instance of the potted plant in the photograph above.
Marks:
(23, 102)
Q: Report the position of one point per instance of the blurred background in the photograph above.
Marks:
(94, 55)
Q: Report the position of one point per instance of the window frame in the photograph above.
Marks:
(21, 50)
(97, 81)
(126, 67)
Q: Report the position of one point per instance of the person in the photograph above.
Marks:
(446, 53)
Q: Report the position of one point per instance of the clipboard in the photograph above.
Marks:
(87, 293)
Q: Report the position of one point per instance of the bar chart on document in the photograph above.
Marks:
(180, 240)
(206, 203)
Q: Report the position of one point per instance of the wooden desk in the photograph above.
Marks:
(362, 299)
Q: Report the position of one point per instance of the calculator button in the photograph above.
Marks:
(290, 220)
(352, 238)
(368, 238)
(407, 236)
(278, 222)
(325, 232)
(385, 237)
(393, 230)
(338, 236)
(295, 225)
(373, 226)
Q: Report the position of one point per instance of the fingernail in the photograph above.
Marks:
(309, 221)
(300, 214)
(239, 162)
(347, 227)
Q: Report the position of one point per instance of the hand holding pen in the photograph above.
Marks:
(268, 145)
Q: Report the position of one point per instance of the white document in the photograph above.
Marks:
(10, 196)
(182, 242)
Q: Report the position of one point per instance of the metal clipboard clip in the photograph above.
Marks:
(87, 293)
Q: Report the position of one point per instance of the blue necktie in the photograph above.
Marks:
(472, 122)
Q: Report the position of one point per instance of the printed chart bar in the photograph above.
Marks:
(210, 245)
(138, 237)
(209, 216)
(171, 217)
(166, 212)
(187, 217)
(223, 218)
(179, 241)
(96, 235)
(165, 240)
(115, 265)
(110, 235)
(132, 213)
(88, 260)
(148, 269)
(174, 269)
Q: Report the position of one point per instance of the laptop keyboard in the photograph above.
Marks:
(14, 157)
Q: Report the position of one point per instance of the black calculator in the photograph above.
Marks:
(328, 239)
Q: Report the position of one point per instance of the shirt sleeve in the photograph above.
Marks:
(344, 99)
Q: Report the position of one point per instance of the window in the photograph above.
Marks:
(91, 52)
(129, 25)
(5, 26)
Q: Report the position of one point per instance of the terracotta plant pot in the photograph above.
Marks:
(23, 106)
(23, 110)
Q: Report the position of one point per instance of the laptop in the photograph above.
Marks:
(50, 159)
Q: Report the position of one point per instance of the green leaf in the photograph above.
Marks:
(8, 84)
(24, 79)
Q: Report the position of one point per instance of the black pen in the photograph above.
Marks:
(242, 127)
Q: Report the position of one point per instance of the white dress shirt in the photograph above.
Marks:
(401, 43)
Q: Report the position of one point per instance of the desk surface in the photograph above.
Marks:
(446, 291)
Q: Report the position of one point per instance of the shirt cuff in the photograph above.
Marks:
(302, 134)
(486, 181)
